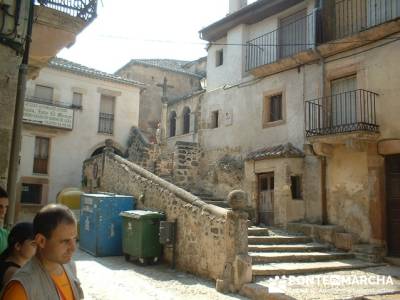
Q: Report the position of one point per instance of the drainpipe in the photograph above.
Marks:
(17, 128)
(324, 203)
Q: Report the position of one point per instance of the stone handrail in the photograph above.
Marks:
(179, 192)
(210, 241)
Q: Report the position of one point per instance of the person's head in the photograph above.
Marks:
(3, 203)
(21, 242)
(55, 232)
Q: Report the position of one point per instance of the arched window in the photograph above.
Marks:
(186, 120)
(172, 124)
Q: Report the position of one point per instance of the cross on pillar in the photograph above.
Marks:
(164, 87)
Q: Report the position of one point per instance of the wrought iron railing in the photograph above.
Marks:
(353, 16)
(50, 102)
(106, 123)
(285, 41)
(83, 9)
(344, 112)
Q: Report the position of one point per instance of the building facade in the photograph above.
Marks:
(31, 33)
(70, 110)
(304, 94)
(182, 78)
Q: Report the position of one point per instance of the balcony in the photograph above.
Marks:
(350, 112)
(338, 26)
(353, 23)
(284, 47)
(56, 25)
(45, 112)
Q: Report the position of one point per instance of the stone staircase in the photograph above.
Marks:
(275, 253)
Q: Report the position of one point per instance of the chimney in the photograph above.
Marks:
(235, 5)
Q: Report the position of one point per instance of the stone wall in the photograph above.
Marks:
(211, 241)
(9, 63)
(186, 162)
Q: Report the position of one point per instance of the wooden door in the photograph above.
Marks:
(393, 204)
(266, 199)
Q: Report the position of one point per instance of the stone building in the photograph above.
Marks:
(55, 25)
(304, 92)
(70, 110)
(182, 78)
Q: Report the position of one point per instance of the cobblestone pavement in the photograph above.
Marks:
(340, 285)
(115, 279)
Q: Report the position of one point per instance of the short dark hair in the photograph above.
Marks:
(3, 193)
(50, 216)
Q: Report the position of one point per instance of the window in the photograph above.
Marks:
(296, 187)
(77, 100)
(273, 109)
(31, 193)
(41, 155)
(172, 124)
(106, 118)
(186, 120)
(219, 58)
(215, 119)
(44, 93)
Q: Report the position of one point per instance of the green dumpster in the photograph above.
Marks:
(140, 235)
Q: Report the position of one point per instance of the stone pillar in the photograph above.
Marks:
(164, 121)
(238, 267)
(376, 195)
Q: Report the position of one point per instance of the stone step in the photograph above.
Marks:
(288, 248)
(280, 269)
(274, 257)
(257, 231)
(278, 240)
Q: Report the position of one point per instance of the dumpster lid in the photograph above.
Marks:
(105, 195)
(137, 214)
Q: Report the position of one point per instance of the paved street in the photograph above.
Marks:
(327, 286)
(113, 278)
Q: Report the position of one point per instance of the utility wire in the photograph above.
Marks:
(396, 38)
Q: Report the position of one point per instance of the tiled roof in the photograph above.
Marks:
(166, 64)
(178, 99)
(280, 151)
(69, 66)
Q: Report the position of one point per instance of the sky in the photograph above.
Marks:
(127, 29)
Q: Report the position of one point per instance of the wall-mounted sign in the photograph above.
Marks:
(48, 115)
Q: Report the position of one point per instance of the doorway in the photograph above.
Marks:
(266, 199)
(393, 204)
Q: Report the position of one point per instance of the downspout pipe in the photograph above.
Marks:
(17, 128)
(324, 204)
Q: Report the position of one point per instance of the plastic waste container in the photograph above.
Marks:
(100, 228)
(71, 198)
(140, 235)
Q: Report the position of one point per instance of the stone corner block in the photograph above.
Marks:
(242, 270)
(254, 291)
(344, 241)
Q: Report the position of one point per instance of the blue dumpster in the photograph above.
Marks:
(100, 226)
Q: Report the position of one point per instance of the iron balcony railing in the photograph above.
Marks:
(348, 18)
(285, 41)
(344, 112)
(49, 102)
(106, 123)
(353, 16)
(83, 9)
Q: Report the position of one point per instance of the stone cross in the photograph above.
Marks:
(164, 87)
